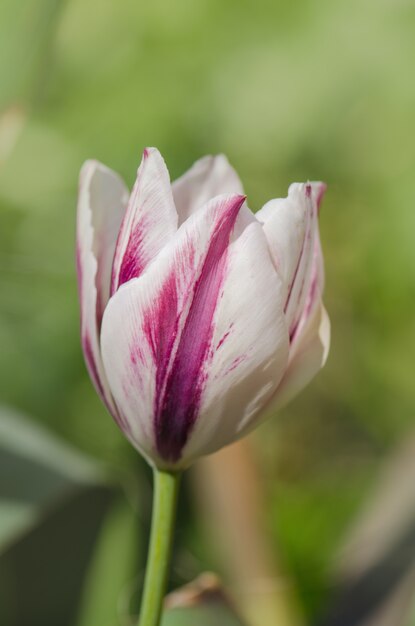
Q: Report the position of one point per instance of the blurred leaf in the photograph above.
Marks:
(36, 470)
(52, 502)
(42, 574)
(25, 439)
(203, 602)
(111, 570)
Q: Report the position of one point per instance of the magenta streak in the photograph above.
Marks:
(225, 336)
(101, 301)
(321, 191)
(235, 363)
(135, 237)
(92, 366)
(179, 387)
(133, 262)
(116, 266)
(160, 329)
(96, 379)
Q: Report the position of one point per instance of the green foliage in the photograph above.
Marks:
(36, 471)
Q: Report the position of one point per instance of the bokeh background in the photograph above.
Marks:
(289, 91)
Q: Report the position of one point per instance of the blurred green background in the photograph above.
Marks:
(289, 91)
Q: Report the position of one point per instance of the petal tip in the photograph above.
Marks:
(321, 190)
(87, 170)
(236, 201)
(150, 151)
(316, 190)
(91, 167)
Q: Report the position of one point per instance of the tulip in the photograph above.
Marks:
(198, 317)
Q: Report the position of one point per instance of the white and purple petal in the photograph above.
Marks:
(101, 206)
(307, 356)
(291, 228)
(150, 220)
(250, 346)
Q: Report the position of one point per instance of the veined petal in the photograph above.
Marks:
(101, 206)
(307, 357)
(307, 286)
(291, 228)
(250, 345)
(207, 178)
(160, 333)
(312, 299)
(150, 220)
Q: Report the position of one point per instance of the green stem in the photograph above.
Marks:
(166, 487)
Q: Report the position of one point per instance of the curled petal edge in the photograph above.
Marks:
(309, 355)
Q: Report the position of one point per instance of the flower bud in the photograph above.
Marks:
(198, 318)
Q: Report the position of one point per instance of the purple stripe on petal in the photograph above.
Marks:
(320, 194)
(162, 335)
(134, 261)
(92, 366)
(180, 383)
(96, 379)
(224, 337)
(149, 222)
(116, 269)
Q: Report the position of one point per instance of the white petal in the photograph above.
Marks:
(101, 206)
(312, 299)
(150, 220)
(291, 228)
(207, 178)
(306, 359)
(195, 337)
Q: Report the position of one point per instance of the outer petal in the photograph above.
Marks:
(250, 346)
(101, 206)
(312, 299)
(306, 359)
(291, 228)
(150, 220)
(207, 178)
(186, 346)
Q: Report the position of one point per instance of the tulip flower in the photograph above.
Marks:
(198, 317)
